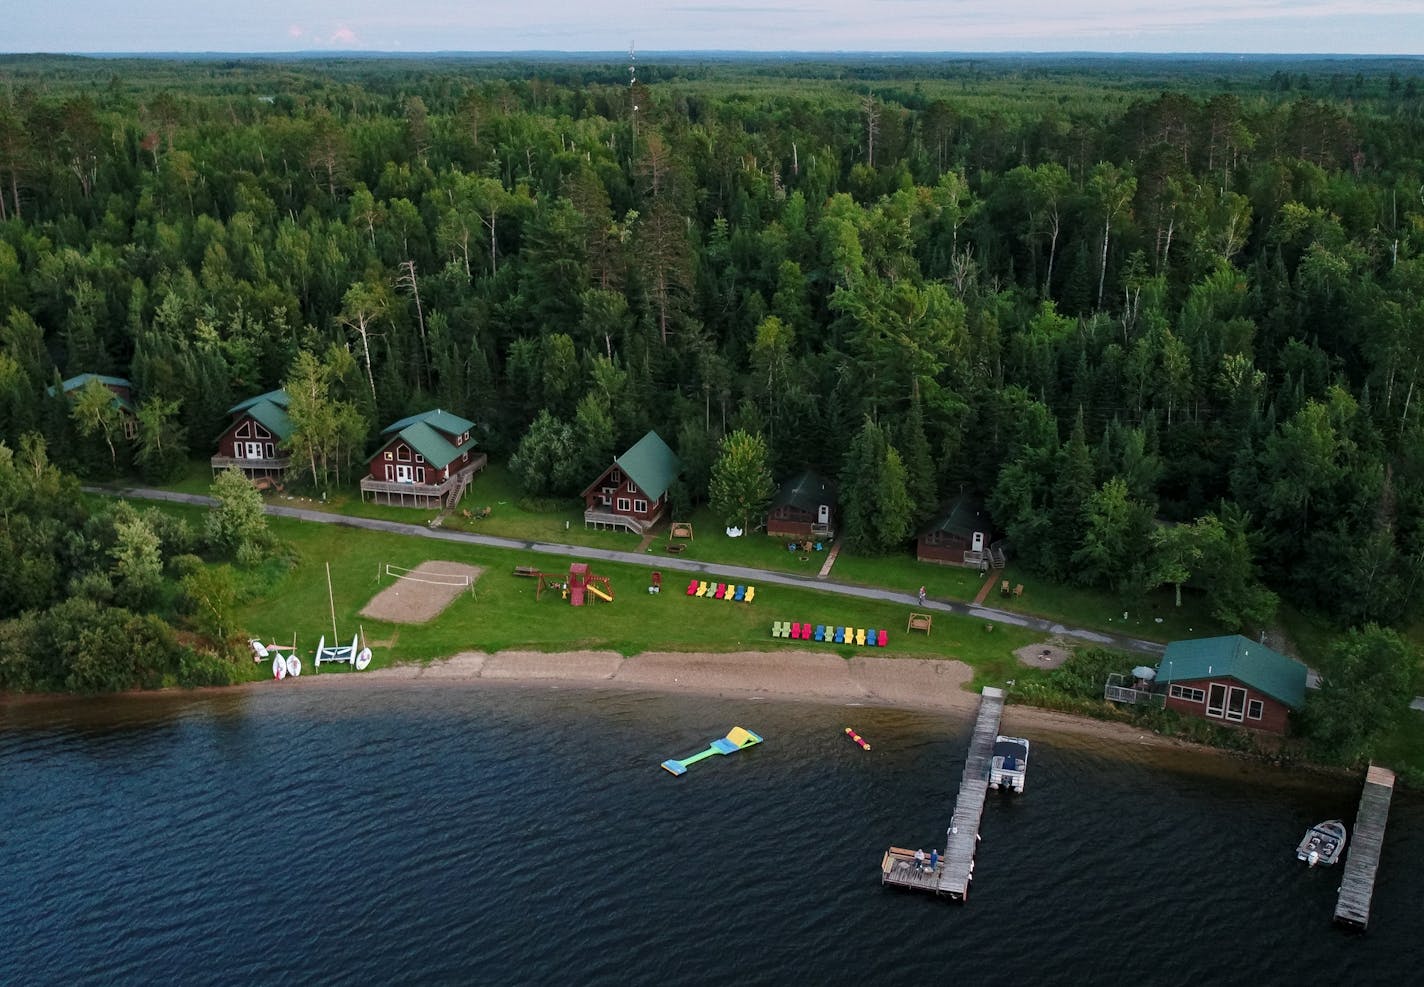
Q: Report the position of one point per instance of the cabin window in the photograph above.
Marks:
(615, 477)
(388, 455)
(130, 427)
(420, 475)
(465, 437)
(267, 450)
(1235, 704)
(1255, 708)
(244, 431)
(1188, 693)
(258, 432)
(1216, 699)
(641, 506)
(403, 454)
(419, 458)
(623, 504)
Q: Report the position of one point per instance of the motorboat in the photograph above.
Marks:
(1322, 844)
(1009, 765)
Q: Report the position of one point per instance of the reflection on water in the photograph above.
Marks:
(505, 835)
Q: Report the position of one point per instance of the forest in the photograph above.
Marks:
(1165, 316)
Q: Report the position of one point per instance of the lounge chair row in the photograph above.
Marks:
(721, 591)
(872, 637)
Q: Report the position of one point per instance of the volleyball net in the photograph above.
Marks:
(421, 575)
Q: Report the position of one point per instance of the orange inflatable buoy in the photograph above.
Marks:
(857, 738)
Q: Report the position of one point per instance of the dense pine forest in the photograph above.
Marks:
(1165, 316)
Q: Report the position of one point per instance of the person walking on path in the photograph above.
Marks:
(922, 596)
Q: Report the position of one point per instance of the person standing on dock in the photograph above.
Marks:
(934, 861)
(919, 860)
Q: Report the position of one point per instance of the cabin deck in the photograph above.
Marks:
(1357, 885)
(956, 866)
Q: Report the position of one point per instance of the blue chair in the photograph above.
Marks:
(820, 632)
(840, 635)
(818, 547)
(741, 593)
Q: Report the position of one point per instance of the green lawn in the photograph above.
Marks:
(503, 613)
(1159, 619)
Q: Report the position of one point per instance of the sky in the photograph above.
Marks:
(1394, 27)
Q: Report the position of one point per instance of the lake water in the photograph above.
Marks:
(460, 835)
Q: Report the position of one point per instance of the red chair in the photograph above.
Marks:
(692, 588)
(880, 640)
(796, 631)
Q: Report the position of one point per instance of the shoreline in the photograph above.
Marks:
(929, 685)
(932, 685)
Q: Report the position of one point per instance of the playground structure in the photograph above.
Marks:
(577, 586)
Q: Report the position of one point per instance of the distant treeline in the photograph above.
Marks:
(1166, 316)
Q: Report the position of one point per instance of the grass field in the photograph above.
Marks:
(503, 612)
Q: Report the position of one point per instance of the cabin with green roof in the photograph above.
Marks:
(253, 441)
(804, 507)
(121, 388)
(631, 494)
(425, 460)
(962, 533)
(1232, 680)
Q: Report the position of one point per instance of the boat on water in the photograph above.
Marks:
(1009, 766)
(1322, 844)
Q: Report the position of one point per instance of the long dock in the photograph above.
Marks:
(1357, 886)
(956, 867)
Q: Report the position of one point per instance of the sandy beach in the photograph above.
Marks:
(934, 685)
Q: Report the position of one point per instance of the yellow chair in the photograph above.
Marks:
(860, 636)
(702, 588)
(751, 593)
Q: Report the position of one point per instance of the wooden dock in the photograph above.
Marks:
(1357, 886)
(956, 866)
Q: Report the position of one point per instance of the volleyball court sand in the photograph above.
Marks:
(421, 597)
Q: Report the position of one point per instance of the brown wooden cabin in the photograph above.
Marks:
(427, 460)
(1233, 681)
(254, 441)
(122, 390)
(803, 508)
(960, 534)
(631, 494)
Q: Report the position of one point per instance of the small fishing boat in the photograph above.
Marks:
(1322, 844)
(294, 666)
(1009, 766)
(279, 667)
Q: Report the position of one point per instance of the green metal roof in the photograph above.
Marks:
(278, 397)
(273, 417)
(805, 492)
(428, 443)
(442, 420)
(963, 516)
(1240, 658)
(79, 380)
(651, 465)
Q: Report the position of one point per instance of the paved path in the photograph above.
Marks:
(740, 574)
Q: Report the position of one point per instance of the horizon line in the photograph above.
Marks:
(812, 52)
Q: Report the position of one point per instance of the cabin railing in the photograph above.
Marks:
(428, 491)
(220, 463)
(1115, 691)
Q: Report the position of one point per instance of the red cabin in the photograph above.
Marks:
(427, 460)
(253, 442)
(1232, 680)
(632, 493)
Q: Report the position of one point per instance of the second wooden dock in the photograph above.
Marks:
(1357, 886)
(956, 869)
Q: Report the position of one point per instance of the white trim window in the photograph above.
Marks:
(1216, 700)
(1188, 694)
(640, 506)
(623, 505)
(1255, 709)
